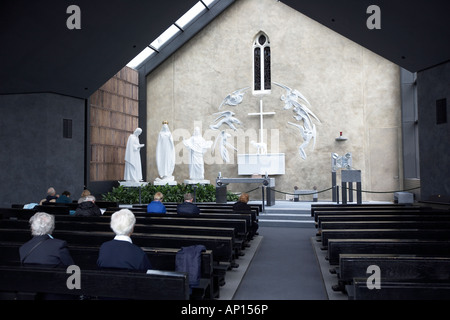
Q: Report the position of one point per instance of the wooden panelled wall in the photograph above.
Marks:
(114, 115)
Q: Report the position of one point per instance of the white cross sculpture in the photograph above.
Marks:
(261, 145)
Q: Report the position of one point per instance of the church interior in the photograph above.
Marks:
(372, 78)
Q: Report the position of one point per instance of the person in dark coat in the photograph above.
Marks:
(64, 198)
(88, 208)
(121, 253)
(187, 207)
(43, 249)
(241, 206)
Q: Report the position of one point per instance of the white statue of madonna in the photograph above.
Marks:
(165, 156)
(133, 167)
(197, 147)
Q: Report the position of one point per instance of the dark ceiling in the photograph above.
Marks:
(415, 34)
(40, 54)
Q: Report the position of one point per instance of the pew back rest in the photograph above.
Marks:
(157, 285)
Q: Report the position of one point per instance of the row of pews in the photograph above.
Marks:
(223, 233)
(386, 252)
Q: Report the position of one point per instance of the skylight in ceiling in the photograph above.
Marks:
(165, 37)
(181, 24)
(146, 53)
(190, 16)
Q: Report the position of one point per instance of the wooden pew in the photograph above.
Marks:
(239, 225)
(206, 205)
(17, 213)
(317, 214)
(221, 247)
(138, 228)
(60, 212)
(160, 258)
(81, 225)
(430, 234)
(208, 215)
(393, 267)
(363, 207)
(381, 217)
(337, 247)
(400, 290)
(385, 225)
(157, 285)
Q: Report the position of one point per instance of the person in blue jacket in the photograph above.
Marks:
(156, 206)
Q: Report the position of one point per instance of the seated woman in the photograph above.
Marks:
(121, 253)
(88, 208)
(156, 206)
(43, 248)
(241, 206)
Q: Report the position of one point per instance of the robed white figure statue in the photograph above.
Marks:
(133, 168)
(197, 147)
(165, 155)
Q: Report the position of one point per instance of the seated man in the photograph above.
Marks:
(121, 253)
(156, 206)
(187, 207)
(51, 196)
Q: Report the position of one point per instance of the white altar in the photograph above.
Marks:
(270, 164)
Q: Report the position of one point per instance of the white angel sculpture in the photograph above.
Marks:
(222, 138)
(294, 99)
(307, 136)
(234, 98)
(225, 117)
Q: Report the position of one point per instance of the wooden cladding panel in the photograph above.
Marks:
(114, 115)
(106, 172)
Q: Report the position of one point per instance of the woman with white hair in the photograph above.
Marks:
(121, 253)
(43, 248)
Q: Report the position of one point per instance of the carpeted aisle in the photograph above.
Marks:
(284, 267)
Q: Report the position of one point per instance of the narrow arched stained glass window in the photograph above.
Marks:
(261, 64)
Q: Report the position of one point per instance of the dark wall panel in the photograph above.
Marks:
(35, 154)
(434, 137)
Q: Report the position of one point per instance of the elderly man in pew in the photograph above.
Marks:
(121, 253)
(45, 250)
(187, 207)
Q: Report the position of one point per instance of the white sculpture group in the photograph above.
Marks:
(165, 157)
(197, 145)
(292, 99)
